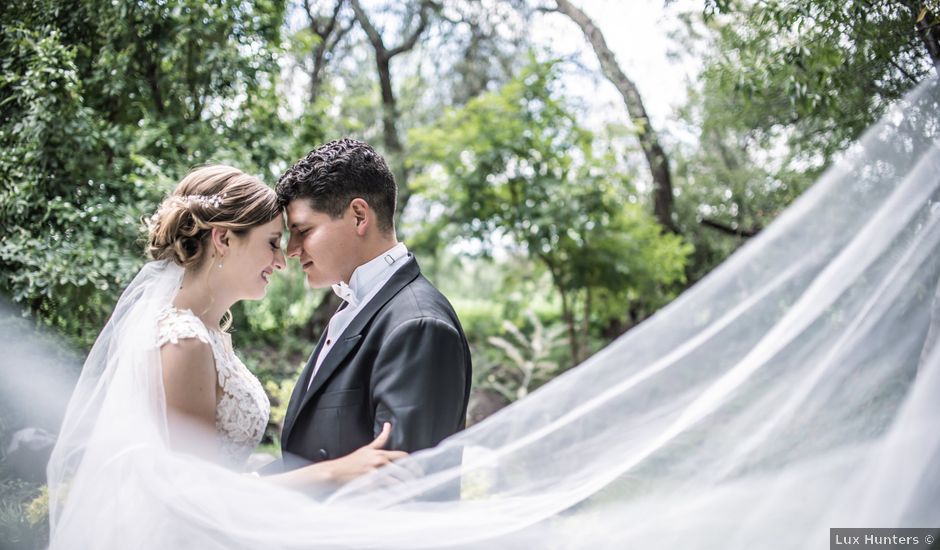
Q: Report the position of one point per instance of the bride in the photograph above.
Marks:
(792, 391)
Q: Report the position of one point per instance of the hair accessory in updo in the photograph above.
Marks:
(214, 201)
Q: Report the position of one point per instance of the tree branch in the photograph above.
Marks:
(903, 71)
(927, 29)
(330, 36)
(727, 229)
(410, 42)
(374, 36)
(649, 141)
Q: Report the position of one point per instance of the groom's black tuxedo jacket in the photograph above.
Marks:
(403, 359)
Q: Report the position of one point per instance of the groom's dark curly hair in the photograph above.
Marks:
(334, 174)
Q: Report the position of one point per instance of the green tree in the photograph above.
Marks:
(786, 85)
(817, 73)
(514, 163)
(102, 107)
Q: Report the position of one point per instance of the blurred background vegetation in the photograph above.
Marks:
(552, 233)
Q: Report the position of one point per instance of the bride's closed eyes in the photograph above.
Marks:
(275, 241)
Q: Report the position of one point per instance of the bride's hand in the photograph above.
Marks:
(358, 463)
(363, 460)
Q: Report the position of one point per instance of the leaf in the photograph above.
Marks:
(510, 350)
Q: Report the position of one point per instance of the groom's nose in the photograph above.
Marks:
(293, 247)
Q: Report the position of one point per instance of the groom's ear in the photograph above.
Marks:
(220, 240)
(360, 211)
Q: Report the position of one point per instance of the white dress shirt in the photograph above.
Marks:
(364, 284)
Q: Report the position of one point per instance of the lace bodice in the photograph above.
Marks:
(242, 410)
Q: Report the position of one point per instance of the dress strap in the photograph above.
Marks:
(179, 324)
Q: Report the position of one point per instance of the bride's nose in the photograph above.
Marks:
(279, 260)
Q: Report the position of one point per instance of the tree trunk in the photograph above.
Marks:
(153, 80)
(383, 57)
(928, 29)
(585, 327)
(330, 32)
(649, 141)
(567, 313)
(393, 144)
(568, 316)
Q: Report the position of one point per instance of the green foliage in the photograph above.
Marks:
(527, 360)
(822, 69)
(786, 85)
(67, 222)
(480, 317)
(279, 391)
(515, 163)
(105, 105)
(730, 187)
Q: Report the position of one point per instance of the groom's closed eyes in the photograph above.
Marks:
(301, 228)
(296, 234)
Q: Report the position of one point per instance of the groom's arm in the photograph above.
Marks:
(419, 384)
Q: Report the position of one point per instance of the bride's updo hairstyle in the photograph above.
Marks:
(211, 196)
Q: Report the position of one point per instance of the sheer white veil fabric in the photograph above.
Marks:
(792, 390)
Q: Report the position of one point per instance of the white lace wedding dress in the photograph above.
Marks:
(242, 409)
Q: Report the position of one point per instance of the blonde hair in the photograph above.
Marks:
(211, 196)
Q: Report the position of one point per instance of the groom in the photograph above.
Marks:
(394, 351)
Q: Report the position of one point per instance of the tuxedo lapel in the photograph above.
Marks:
(348, 341)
